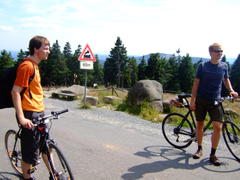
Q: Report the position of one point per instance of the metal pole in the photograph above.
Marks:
(85, 90)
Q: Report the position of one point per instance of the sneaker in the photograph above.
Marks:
(214, 160)
(198, 154)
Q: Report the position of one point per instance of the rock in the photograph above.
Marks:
(91, 100)
(68, 93)
(147, 90)
(166, 106)
(78, 90)
(66, 96)
(111, 99)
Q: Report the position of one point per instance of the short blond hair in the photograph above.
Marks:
(212, 46)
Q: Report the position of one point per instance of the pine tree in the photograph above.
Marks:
(142, 69)
(97, 72)
(6, 59)
(172, 84)
(21, 55)
(78, 74)
(54, 70)
(235, 74)
(186, 74)
(114, 65)
(130, 73)
(67, 53)
(153, 67)
(157, 68)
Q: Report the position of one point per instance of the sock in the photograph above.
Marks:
(213, 151)
(199, 148)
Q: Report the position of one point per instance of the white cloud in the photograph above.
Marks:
(144, 25)
(6, 28)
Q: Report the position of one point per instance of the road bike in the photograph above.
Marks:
(57, 163)
(179, 129)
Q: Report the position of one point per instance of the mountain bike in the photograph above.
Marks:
(179, 129)
(58, 165)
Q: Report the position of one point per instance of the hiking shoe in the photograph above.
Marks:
(214, 160)
(198, 154)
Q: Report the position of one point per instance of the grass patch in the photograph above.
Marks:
(145, 111)
(86, 106)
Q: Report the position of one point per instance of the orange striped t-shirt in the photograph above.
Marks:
(24, 72)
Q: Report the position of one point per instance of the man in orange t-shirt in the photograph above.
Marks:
(30, 105)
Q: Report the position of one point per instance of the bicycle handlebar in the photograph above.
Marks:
(229, 98)
(53, 115)
(56, 113)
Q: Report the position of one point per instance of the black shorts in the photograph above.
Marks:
(204, 106)
(31, 140)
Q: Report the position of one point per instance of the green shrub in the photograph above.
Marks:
(145, 111)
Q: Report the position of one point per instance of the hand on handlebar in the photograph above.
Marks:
(234, 94)
(26, 123)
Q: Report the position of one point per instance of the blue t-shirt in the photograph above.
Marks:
(211, 77)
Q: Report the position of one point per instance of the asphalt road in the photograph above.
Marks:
(109, 145)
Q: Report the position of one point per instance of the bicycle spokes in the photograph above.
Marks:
(231, 134)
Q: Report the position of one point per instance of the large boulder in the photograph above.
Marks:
(147, 90)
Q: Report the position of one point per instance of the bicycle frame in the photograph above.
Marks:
(180, 129)
(190, 114)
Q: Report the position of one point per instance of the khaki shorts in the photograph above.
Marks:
(204, 106)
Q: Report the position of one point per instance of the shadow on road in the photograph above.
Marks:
(6, 175)
(172, 158)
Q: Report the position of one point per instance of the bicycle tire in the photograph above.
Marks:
(177, 130)
(61, 168)
(14, 154)
(231, 135)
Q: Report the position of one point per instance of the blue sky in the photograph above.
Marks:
(145, 26)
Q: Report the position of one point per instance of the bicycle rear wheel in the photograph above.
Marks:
(61, 169)
(231, 135)
(177, 130)
(13, 148)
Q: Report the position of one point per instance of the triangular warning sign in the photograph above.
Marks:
(86, 54)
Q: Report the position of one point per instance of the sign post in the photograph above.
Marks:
(86, 59)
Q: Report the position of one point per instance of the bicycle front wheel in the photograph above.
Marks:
(60, 167)
(177, 130)
(13, 148)
(231, 135)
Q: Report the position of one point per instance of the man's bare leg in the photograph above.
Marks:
(25, 168)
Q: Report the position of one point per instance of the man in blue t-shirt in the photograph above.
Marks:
(206, 89)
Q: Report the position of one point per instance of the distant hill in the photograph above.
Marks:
(102, 57)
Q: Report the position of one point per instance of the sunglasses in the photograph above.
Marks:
(217, 51)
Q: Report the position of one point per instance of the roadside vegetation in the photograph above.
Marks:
(146, 111)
